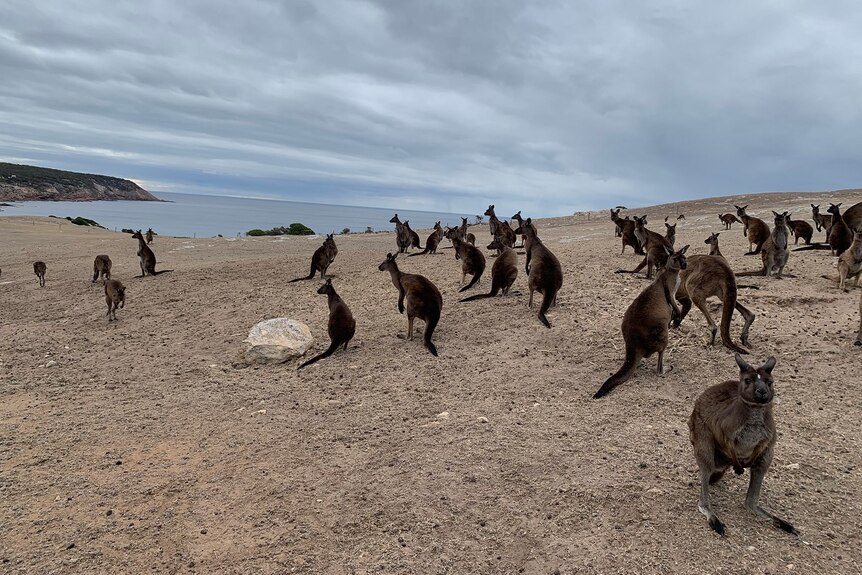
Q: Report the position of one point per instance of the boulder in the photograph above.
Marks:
(277, 340)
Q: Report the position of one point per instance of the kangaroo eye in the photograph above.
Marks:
(747, 381)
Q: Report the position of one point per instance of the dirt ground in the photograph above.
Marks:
(145, 450)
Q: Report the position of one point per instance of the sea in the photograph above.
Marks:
(196, 215)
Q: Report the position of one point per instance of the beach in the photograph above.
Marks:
(147, 446)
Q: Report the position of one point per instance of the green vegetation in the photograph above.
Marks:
(345, 231)
(79, 221)
(295, 229)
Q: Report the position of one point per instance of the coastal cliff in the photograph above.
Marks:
(19, 183)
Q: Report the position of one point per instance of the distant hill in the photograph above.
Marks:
(19, 183)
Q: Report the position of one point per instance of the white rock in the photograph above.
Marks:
(443, 415)
(793, 466)
(277, 340)
(482, 419)
(50, 363)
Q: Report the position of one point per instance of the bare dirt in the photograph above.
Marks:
(145, 450)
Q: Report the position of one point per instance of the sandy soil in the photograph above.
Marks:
(145, 450)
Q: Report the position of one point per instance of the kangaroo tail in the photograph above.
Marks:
(749, 274)
(308, 277)
(430, 324)
(473, 281)
(332, 347)
(624, 373)
(547, 300)
(835, 279)
(479, 296)
(155, 273)
(817, 246)
(422, 253)
(727, 306)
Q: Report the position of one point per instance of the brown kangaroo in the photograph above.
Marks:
(432, 242)
(822, 221)
(321, 260)
(728, 220)
(39, 268)
(150, 235)
(147, 257)
(101, 267)
(341, 326)
(615, 218)
(800, 229)
(853, 216)
(517, 217)
(507, 235)
(115, 296)
(712, 240)
(468, 237)
(755, 230)
(414, 237)
(422, 297)
(774, 253)
(544, 273)
(656, 247)
(493, 221)
(706, 276)
(732, 426)
(840, 236)
(629, 237)
(402, 236)
(472, 262)
(645, 323)
(850, 263)
(503, 272)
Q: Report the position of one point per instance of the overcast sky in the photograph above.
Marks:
(547, 107)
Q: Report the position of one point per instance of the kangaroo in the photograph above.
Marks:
(503, 272)
(432, 242)
(680, 217)
(732, 425)
(472, 261)
(147, 257)
(800, 229)
(754, 229)
(670, 234)
(414, 237)
(321, 260)
(517, 217)
(506, 235)
(629, 237)
(728, 220)
(840, 236)
(544, 273)
(115, 296)
(712, 240)
(150, 235)
(101, 267)
(774, 253)
(468, 237)
(853, 216)
(850, 263)
(822, 221)
(706, 276)
(39, 268)
(615, 218)
(645, 323)
(341, 326)
(422, 297)
(655, 245)
(493, 222)
(402, 236)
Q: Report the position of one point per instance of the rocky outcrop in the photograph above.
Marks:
(19, 183)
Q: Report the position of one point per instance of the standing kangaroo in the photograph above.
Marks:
(322, 259)
(840, 236)
(150, 235)
(115, 296)
(850, 263)
(422, 298)
(822, 221)
(732, 425)
(39, 268)
(712, 241)
(655, 246)
(472, 262)
(629, 237)
(728, 220)
(414, 237)
(432, 242)
(800, 229)
(774, 253)
(645, 323)
(402, 235)
(101, 267)
(503, 272)
(147, 257)
(341, 326)
(544, 273)
(464, 234)
(707, 276)
(755, 230)
(493, 221)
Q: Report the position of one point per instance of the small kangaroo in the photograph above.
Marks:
(655, 245)
(615, 218)
(503, 272)
(147, 257)
(774, 253)
(150, 235)
(321, 260)
(472, 262)
(544, 273)
(422, 297)
(115, 296)
(706, 276)
(728, 220)
(468, 237)
(414, 237)
(341, 326)
(517, 217)
(645, 323)
(732, 426)
(39, 268)
(402, 236)
(840, 236)
(800, 229)
(712, 240)
(754, 229)
(850, 263)
(432, 242)
(822, 221)
(101, 267)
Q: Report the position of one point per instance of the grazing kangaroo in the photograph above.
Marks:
(422, 297)
(402, 236)
(466, 236)
(472, 261)
(322, 259)
(728, 220)
(774, 253)
(800, 229)
(544, 273)
(341, 326)
(645, 323)
(432, 242)
(840, 236)
(503, 272)
(656, 247)
(822, 221)
(754, 229)
(706, 276)
(850, 263)
(101, 267)
(414, 237)
(732, 425)
(39, 268)
(147, 257)
(115, 296)
(150, 235)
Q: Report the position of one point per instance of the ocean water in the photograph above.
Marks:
(199, 215)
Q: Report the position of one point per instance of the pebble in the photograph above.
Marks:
(482, 419)
(793, 466)
(50, 363)
(443, 415)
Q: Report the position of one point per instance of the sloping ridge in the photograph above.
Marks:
(21, 183)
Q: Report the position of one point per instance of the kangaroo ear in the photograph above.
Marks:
(329, 281)
(684, 249)
(529, 220)
(769, 365)
(776, 213)
(741, 363)
(813, 206)
(668, 249)
(717, 233)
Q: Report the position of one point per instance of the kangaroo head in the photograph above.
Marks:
(713, 239)
(326, 287)
(676, 259)
(395, 219)
(640, 222)
(740, 211)
(137, 235)
(755, 384)
(518, 215)
(490, 210)
(670, 228)
(389, 263)
(833, 209)
(496, 244)
(463, 221)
